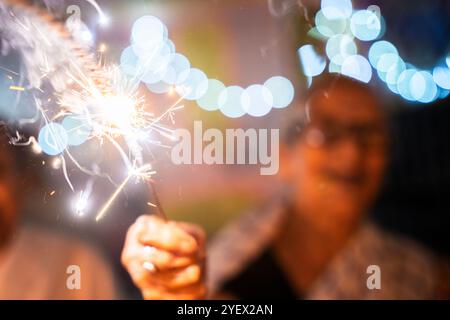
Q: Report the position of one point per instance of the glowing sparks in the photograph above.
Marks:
(35, 147)
(81, 204)
(56, 163)
(93, 101)
(103, 18)
(145, 172)
(112, 198)
(16, 88)
(119, 111)
(102, 48)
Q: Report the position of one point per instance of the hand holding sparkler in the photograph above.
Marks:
(165, 258)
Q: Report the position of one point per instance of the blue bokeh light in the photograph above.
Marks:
(357, 67)
(77, 128)
(148, 32)
(337, 24)
(387, 61)
(334, 68)
(336, 9)
(53, 139)
(159, 87)
(329, 27)
(422, 86)
(403, 84)
(257, 100)
(152, 59)
(443, 93)
(313, 64)
(339, 47)
(194, 86)
(394, 72)
(178, 66)
(378, 49)
(129, 62)
(441, 76)
(365, 25)
(210, 100)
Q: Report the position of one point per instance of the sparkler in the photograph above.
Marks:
(93, 100)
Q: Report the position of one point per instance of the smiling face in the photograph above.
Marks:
(337, 163)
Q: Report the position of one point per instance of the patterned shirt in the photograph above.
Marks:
(406, 269)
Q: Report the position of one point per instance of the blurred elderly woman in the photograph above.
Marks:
(315, 242)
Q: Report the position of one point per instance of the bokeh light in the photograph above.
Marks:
(194, 86)
(338, 26)
(230, 102)
(394, 72)
(423, 88)
(336, 9)
(129, 62)
(387, 61)
(210, 100)
(257, 100)
(357, 67)
(443, 93)
(147, 32)
(53, 139)
(282, 91)
(403, 84)
(365, 25)
(329, 27)
(152, 59)
(178, 66)
(313, 64)
(334, 68)
(441, 76)
(77, 128)
(339, 47)
(159, 87)
(378, 49)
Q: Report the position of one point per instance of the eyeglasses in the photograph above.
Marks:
(366, 136)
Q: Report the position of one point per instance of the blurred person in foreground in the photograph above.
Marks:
(35, 259)
(314, 243)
